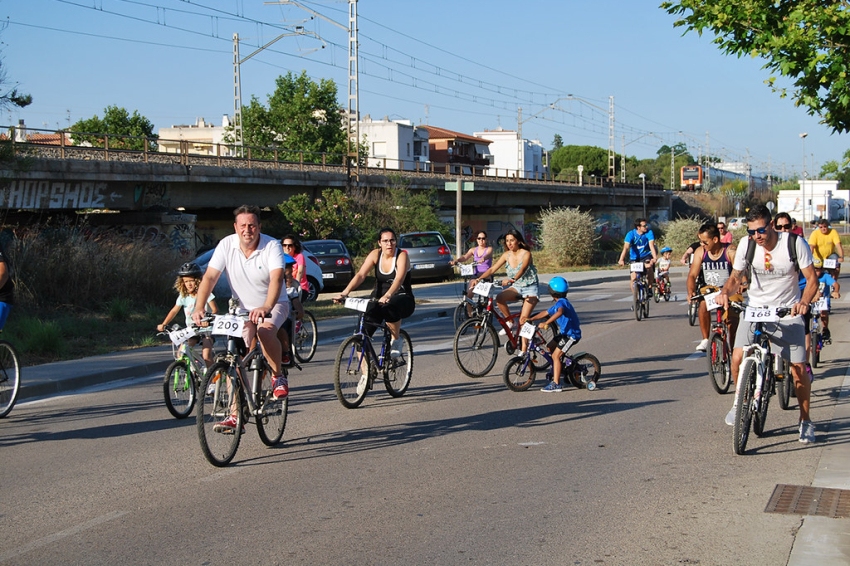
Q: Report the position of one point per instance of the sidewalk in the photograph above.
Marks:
(820, 541)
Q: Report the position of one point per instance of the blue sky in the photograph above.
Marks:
(463, 65)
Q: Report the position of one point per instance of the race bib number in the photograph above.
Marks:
(711, 301)
(761, 314)
(359, 305)
(466, 270)
(636, 267)
(527, 330)
(482, 288)
(228, 325)
(820, 305)
(830, 263)
(180, 336)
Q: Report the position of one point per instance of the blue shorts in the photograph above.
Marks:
(5, 308)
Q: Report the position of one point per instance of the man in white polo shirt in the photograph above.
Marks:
(254, 266)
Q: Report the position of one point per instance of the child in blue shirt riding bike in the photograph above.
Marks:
(569, 331)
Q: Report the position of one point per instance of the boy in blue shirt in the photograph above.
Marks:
(569, 331)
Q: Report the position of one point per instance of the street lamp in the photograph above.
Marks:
(805, 174)
(643, 182)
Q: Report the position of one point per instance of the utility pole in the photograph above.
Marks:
(612, 170)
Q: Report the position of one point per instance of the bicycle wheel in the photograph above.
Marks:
(10, 377)
(542, 339)
(645, 301)
(656, 294)
(476, 347)
(815, 354)
(350, 366)
(518, 374)
(271, 413)
(743, 412)
(460, 315)
(784, 386)
(400, 369)
(667, 291)
(585, 369)
(221, 398)
(304, 341)
(637, 306)
(178, 387)
(692, 313)
(719, 362)
(760, 416)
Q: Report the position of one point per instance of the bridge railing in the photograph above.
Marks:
(61, 144)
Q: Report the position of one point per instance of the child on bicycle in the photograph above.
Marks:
(662, 268)
(569, 330)
(187, 284)
(293, 291)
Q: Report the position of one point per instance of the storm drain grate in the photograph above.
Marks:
(803, 500)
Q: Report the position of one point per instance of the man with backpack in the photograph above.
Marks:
(771, 261)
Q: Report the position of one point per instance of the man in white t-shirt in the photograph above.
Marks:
(774, 283)
(254, 266)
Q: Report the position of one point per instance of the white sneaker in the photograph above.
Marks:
(807, 432)
(361, 385)
(730, 416)
(502, 331)
(703, 345)
(396, 347)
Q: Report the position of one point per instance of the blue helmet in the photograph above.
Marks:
(666, 249)
(559, 285)
(288, 259)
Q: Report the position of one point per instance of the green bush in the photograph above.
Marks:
(679, 234)
(568, 235)
(33, 335)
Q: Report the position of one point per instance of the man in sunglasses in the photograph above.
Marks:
(640, 245)
(774, 283)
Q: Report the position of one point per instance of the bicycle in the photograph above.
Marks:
(227, 391)
(582, 369)
(357, 354)
(815, 332)
(476, 344)
(663, 288)
(756, 376)
(183, 376)
(10, 377)
(461, 312)
(640, 290)
(305, 337)
(719, 351)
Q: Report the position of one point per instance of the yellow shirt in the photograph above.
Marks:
(823, 245)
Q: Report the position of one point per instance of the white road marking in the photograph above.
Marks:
(593, 298)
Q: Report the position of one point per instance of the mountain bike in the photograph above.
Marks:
(756, 376)
(640, 290)
(719, 352)
(305, 337)
(467, 305)
(358, 364)
(10, 377)
(239, 383)
(476, 344)
(582, 369)
(183, 376)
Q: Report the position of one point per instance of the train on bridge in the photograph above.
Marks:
(699, 178)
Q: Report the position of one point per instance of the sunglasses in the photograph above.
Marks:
(783, 226)
(761, 230)
(481, 238)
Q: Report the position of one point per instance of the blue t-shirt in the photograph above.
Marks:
(639, 244)
(568, 323)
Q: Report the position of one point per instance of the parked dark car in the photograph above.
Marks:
(334, 259)
(429, 255)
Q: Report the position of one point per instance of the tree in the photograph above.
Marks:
(839, 171)
(302, 116)
(567, 158)
(125, 131)
(805, 41)
(557, 142)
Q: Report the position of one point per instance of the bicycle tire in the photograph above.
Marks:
(272, 413)
(743, 412)
(542, 339)
(638, 308)
(475, 347)
(719, 363)
(645, 302)
(304, 342)
(584, 369)
(784, 386)
(220, 391)
(10, 377)
(815, 355)
(348, 371)
(656, 295)
(179, 389)
(460, 314)
(692, 313)
(760, 416)
(400, 371)
(518, 374)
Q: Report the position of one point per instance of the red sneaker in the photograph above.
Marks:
(281, 387)
(227, 426)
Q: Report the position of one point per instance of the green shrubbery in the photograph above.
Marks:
(679, 234)
(568, 235)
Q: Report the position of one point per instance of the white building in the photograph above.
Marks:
(395, 144)
(199, 139)
(512, 158)
(814, 197)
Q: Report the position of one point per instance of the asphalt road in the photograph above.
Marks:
(640, 471)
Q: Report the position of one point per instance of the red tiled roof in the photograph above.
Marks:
(48, 139)
(441, 134)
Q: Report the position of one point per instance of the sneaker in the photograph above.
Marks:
(807, 432)
(297, 326)
(827, 337)
(397, 346)
(361, 385)
(281, 387)
(703, 345)
(730, 416)
(552, 387)
(227, 426)
(285, 359)
(502, 331)
(809, 373)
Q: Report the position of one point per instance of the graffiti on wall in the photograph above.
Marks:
(57, 195)
(178, 237)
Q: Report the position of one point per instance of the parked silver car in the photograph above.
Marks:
(429, 255)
